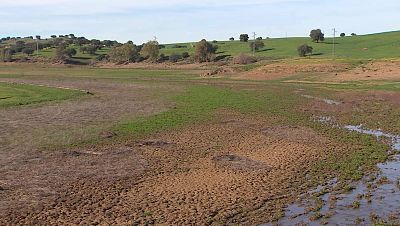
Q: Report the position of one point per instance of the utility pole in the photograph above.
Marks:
(37, 47)
(333, 47)
(254, 43)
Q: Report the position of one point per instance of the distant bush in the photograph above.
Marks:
(185, 55)
(174, 58)
(259, 38)
(70, 52)
(305, 49)
(150, 50)
(6, 55)
(205, 51)
(28, 51)
(244, 59)
(101, 57)
(214, 41)
(353, 34)
(177, 46)
(342, 34)
(162, 58)
(232, 39)
(123, 54)
(257, 45)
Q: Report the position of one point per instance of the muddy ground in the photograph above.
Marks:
(234, 169)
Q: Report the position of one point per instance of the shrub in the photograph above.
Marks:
(150, 50)
(174, 58)
(342, 34)
(28, 51)
(257, 45)
(5, 55)
(304, 50)
(205, 51)
(244, 59)
(232, 39)
(101, 57)
(185, 55)
(123, 54)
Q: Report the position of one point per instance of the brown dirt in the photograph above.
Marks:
(235, 170)
(377, 70)
(281, 70)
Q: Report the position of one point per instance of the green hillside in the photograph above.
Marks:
(374, 46)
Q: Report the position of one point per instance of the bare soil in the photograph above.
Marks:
(280, 70)
(238, 169)
(376, 70)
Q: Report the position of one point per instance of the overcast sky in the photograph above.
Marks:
(187, 20)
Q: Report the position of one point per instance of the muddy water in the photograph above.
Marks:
(374, 199)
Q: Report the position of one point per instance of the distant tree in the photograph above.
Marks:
(342, 34)
(28, 50)
(150, 51)
(81, 41)
(123, 54)
(69, 52)
(60, 54)
(83, 49)
(38, 37)
(72, 36)
(244, 37)
(232, 39)
(57, 42)
(353, 34)
(174, 58)
(317, 35)
(53, 36)
(304, 50)
(91, 49)
(205, 51)
(96, 42)
(129, 42)
(6, 55)
(259, 38)
(107, 43)
(214, 41)
(257, 45)
(185, 55)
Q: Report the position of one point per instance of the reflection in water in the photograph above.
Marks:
(375, 198)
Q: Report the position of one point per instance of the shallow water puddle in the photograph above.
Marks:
(327, 101)
(374, 199)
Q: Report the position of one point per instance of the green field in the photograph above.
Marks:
(21, 94)
(374, 46)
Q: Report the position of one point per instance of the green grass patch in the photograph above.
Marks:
(200, 102)
(22, 94)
